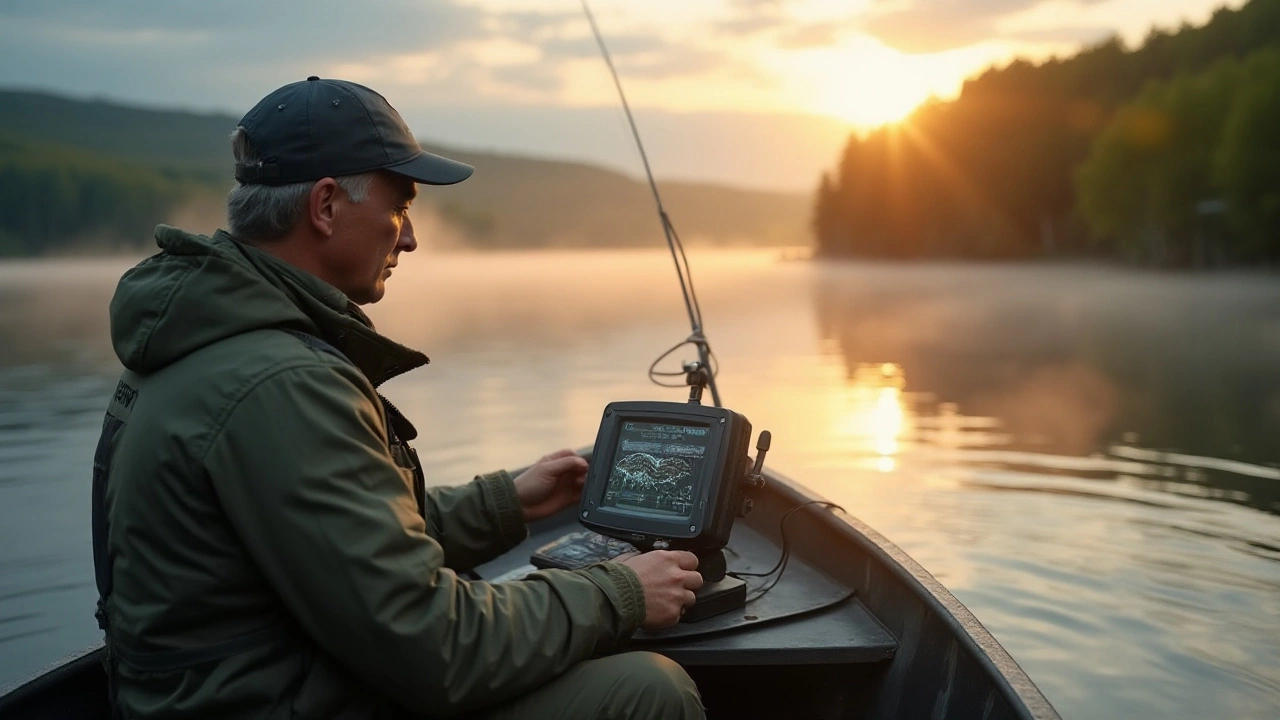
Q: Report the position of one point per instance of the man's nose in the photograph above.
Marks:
(408, 242)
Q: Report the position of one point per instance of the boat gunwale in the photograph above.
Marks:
(1008, 675)
(34, 682)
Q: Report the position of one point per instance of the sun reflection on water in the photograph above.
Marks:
(875, 417)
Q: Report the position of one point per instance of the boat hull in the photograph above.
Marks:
(901, 646)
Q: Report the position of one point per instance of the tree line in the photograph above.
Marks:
(60, 198)
(1164, 154)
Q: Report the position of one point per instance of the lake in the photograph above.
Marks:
(1085, 455)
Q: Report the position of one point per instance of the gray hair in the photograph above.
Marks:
(262, 213)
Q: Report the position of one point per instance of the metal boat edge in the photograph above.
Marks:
(937, 635)
(904, 621)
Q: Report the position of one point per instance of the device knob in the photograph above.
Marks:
(711, 565)
(762, 447)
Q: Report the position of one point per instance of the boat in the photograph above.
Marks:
(853, 629)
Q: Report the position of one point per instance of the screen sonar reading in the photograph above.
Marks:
(656, 468)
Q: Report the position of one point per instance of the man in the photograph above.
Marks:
(264, 541)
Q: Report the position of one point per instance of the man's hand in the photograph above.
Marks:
(670, 578)
(551, 484)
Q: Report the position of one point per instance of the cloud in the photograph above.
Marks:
(1071, 35)
(676, 61)
(620, 46)
(745, 26)
(537, 26)
(269, 30)
(926, 26)
(785, 23)
(810, 36)
(534, 76)
(750, 17)
(224, 55)
(212, 55)
(649, 55)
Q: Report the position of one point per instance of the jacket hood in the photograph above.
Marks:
(199, 290)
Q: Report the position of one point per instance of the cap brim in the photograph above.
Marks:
(433, 169)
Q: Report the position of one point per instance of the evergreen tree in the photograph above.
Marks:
(1110, 151)
(1248, 160)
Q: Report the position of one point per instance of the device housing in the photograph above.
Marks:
(645, 449)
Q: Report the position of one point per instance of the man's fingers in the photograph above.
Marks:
(685, 559)
(563, 452)
(566, 464)
(693, 580)
(689, 599)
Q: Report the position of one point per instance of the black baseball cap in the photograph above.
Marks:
(326, 128)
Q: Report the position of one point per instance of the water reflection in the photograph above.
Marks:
(1180, 372)
(876, 419)
(1086, 455)
(1083, 455)
(55, 314)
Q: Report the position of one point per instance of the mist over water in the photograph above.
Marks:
(1084, 455)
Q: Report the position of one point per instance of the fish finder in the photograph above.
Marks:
(667, 474)
(674, 476)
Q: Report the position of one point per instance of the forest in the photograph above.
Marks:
(50, 193)
(1166, 154)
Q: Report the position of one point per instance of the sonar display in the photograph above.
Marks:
(656, 468)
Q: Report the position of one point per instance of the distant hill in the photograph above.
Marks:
(163, 138)
(59, 153)
(522, 202)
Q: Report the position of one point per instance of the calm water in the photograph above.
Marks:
(1085, 456)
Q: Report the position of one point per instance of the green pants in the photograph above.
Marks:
(630, 686)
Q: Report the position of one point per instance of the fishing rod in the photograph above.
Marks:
(698, 517)
(697, 338)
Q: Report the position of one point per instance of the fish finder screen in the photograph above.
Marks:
(656, 469)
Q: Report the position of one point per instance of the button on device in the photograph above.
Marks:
(313, 78)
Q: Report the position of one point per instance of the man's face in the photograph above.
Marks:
(368, 237)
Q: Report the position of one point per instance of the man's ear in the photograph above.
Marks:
(322, 205)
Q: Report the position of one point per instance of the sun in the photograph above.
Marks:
(868, 84)
(869, 104)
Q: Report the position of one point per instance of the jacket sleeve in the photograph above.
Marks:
(301, 467)
(476, 522)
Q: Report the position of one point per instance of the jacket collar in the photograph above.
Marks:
(334, 318)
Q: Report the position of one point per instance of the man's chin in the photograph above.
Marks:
(370, 296)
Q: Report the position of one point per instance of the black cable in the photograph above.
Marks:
(654, 374)
(780, 567)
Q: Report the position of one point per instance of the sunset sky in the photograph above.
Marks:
(759, 93)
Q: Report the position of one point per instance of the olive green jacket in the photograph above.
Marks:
(267, 554)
